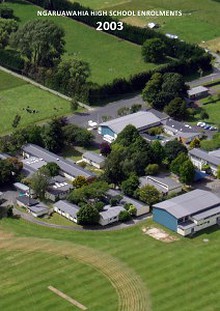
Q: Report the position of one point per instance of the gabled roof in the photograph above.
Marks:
(94, 157)
(65, 165)
(126, 199)
(111, 211)
(67, 207)
(140, 120)
(27, 201)
(189, 203)
(203, 155)
(162, 183)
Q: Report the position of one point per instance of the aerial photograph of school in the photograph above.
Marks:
(110, 155)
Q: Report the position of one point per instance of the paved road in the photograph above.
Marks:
(210, 78)
(109, 110)
(118, 226)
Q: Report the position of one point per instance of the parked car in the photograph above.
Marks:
(207, 127)
(199, 123)
(203, 124)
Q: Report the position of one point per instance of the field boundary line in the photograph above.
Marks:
(28, 80)
(66, 297)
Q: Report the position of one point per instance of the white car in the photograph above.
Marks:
(199, 123)
(203, 124)
(108, 138)
(92, 124)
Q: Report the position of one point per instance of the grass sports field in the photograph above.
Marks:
(200, 21)
(108, 56)
(16, 95)
(124, 270)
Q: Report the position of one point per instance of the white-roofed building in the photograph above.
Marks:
(198, 92)
(110, 214)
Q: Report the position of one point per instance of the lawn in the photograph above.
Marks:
(183, 275)
(200, 21)
(16, 95)
(108, 56)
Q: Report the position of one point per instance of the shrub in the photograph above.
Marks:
(124, 216)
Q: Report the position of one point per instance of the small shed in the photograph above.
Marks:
(110, 214)
(198, 92)
(67, 210)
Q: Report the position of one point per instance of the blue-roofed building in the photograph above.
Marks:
(188, 213)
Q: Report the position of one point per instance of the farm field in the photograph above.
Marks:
(200, 21)
(108, 56)
(182, 275)
(16, 95)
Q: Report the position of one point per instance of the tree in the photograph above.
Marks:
(74, 104)
(158, 152)
(6, 12)
(195, 143)
(153, 50)
(50, 169)
(174, 85)
(128, 135)
(123, 111)
(152, 169)
(177, 163)
(124, 216)
(71, 77)
(105, 149)
(79, 182)
(16, 121)
(218, 172)
(77, 136)
(113, 167)
(40, 41)
(135, 108)
(52, 136)
(152, 87)
(132, 210)
(149, 194)
(177, 109)
(39, 183)
(187, 172)
(7, 27)
(88, 215)
(130, 185)
(173, 148)
(204, 115)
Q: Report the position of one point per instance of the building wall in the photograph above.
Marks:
(165, 219)
(200, 162)
(144, 210)
(97, 165)
(105, 130)
(105, 222)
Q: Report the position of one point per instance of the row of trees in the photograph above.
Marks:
(52, 136)
(166, 92)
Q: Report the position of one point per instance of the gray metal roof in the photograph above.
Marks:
(189, 203)
(67, 207)
(39, 208)
(21, 186)
(94, 157)
(162, 183)
(215, 153)
(197, 90)
(208, 213)
(203, 155)
(126, 199)
(111, 211)
(65, 165)
(140, 119)
(28, 201)
(179, 127)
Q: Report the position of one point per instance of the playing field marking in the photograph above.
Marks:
(68, 298)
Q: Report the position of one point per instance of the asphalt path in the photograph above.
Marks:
(109, 110)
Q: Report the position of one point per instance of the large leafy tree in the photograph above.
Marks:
(52, 136)
(177, 163)
(149, 194)
(177, 109)
(7, 26)
(153, 50)
(130, 185)
(71, 77)
(40, 41)
(88, 215)
(39, 183)
(173, 148)
(187, 172)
